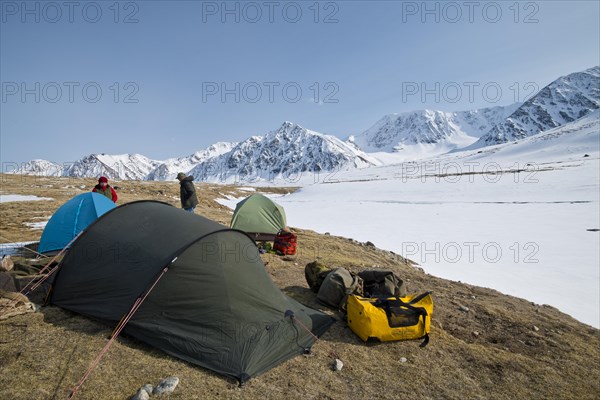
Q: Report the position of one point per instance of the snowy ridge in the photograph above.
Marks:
(573, 141)
(566, 99)
(168, 169)
(41, 168)
(289, 150)
(477, 122)
(122, 166)
(397, 132)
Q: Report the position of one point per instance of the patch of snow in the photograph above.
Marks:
(9, 198)
(230, 201)
(12, 248)
(36, 225)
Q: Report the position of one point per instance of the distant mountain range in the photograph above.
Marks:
(287, 151)
(293, 149)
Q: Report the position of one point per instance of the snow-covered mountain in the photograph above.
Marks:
(566, 99)
(287, 151)
(292, 149)
(168, 169)
(448, 130)
(575, 141)
(41, 168)
(120, 167)
(558, 148)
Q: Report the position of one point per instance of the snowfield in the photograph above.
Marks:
(526, 239)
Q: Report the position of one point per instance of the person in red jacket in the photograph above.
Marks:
(104, 188)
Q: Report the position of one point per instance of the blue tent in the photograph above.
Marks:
(71, 218)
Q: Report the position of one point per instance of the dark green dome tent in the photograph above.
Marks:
(258, 215)
(215, 306)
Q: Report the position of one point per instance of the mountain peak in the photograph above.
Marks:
(288, 124)
(291, 150)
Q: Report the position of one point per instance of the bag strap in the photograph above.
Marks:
(421, 311)
(418, 310)
(418, 298)
(381, 300)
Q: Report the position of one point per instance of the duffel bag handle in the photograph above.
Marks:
(421, 311)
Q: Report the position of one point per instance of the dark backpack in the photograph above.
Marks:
(337, 286)
(285, 243)
(315, 273)
(382, 284)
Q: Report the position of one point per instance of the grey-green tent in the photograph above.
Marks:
(215, 306)
(258, 214)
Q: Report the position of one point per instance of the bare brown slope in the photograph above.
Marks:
(44, 354)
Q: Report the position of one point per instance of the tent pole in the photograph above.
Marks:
(290, 313)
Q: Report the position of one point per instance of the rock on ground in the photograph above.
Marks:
(7, 263)
(148, 388)
(141, 395)
(167, 386)
(337, 365)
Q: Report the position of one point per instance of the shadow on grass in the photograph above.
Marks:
(57, 393)
(93, 329)
(339, 332)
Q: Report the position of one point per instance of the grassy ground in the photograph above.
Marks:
(502, 348)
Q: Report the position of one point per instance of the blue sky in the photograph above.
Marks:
(165, 79)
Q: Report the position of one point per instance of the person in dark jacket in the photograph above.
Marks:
(104, 188)
(187, 192)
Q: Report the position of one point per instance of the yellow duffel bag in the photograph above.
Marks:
(395, 318)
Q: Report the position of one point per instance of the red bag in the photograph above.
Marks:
(285, 243)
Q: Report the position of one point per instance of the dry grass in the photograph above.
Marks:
(42, 355)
